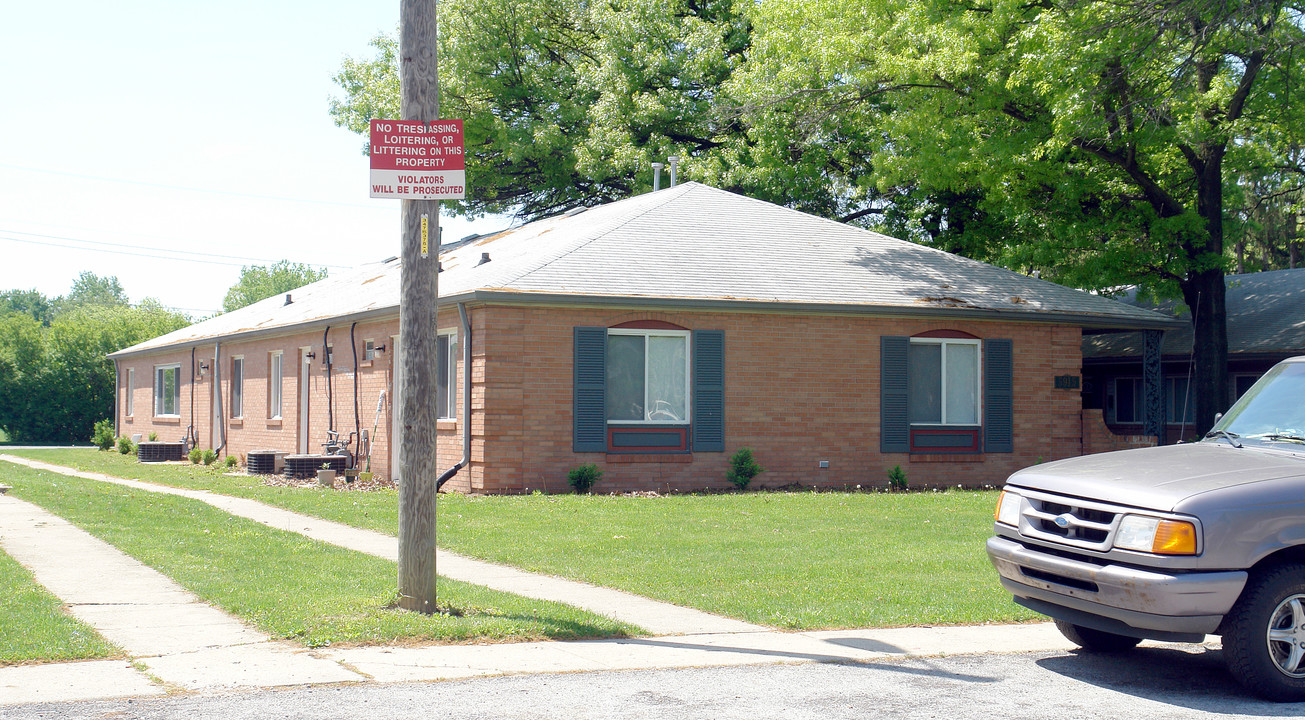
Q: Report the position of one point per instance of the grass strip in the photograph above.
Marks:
(288, 585)
(35, 627)
(802, 560)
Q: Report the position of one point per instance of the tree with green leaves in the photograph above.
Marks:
(57, 381)
(1096, 141)
(259, 282)
(566, 103)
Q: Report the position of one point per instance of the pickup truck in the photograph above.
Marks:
(1176, 542)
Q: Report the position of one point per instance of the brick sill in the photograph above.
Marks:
(618, 459)
(947, 458)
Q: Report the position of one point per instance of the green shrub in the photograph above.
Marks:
(126, 446)
(583, 478)
(232, 461)
(743, 468)
(154, 437)
(897, 478)
(209, 456)
(195, 455)
(102, 436)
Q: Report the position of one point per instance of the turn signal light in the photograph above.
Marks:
(1174, 537)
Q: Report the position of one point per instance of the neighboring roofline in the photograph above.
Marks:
(507, 297)
(292, 329)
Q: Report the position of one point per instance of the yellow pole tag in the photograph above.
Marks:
(425, 236)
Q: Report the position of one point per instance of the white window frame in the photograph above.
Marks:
(275, 380)
(237, 386)
(977, 344)
(450, 360)
(159, 383)
(131, 382)
(688, 368)
(369, 350)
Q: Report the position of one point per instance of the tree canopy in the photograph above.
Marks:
(259, 282)
(1102, 143)
(55, 378)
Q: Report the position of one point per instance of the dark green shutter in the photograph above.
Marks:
(894, 423)
(590, 404)
(998, 397)
(709, 391)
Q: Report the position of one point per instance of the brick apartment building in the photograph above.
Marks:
(654, 337)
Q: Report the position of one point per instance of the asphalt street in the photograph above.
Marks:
(1151, 683)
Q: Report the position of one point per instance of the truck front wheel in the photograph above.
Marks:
(1098, 640)
(1264, 635)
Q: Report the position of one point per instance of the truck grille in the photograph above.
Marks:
(1069, 521)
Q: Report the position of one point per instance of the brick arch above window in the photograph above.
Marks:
(950, 334)
(647, 325)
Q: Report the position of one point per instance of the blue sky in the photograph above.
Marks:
(169, 143)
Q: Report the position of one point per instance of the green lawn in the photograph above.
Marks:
(288, 585)
(34, 626)
(800, 560)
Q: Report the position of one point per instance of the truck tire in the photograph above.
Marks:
(1264, 635)
(1096, 640)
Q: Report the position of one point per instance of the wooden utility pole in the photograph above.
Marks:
(419, 298)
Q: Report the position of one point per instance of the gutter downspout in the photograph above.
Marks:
(117, 383)
(217, 392)
(466, 400)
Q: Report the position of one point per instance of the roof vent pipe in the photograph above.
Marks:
(484, 258)
(657, 176)
(287, 299)
(673, 160)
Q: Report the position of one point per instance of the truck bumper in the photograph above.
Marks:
(1130, 600)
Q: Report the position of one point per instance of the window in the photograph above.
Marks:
(657, 376)
(1127, 401)
(274, 386)
(446, 393)
(648, 376)
(237, 387)
(943, 382)
(369, 350)
(946, 392)
(131, 383)
(167, 390)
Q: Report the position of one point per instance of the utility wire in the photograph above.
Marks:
(229, 193)
(135, 250)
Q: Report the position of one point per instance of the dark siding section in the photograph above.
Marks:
(894, 424)
(709, 391)
(590, 405)
(998, 396)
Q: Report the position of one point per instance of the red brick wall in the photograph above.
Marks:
(799, 390)
(1098, 437)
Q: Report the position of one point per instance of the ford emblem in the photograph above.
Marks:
(1063, 521)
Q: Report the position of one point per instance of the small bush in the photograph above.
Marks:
(584, 477)
(897, 478)
(195, 456)
(102, 435)
(232, 461)
(154, 437)
(743, 468)
(126, 446)
(209, 456)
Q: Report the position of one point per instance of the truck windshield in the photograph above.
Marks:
(1273, 409)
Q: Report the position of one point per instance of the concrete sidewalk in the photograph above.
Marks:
(184, 644)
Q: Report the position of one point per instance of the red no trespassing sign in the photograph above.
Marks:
(414, 160)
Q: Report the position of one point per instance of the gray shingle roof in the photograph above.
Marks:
(693, 245)
(1266, 315)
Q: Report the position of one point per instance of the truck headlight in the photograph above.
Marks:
(1156, 535)
(1008, 509)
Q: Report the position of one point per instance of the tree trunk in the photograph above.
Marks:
(1204, 293)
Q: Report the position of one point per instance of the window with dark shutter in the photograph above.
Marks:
(590, 378)
(894, 422)
(709, 391)
(999, 394)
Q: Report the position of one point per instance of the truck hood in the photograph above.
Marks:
(1159, 478)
